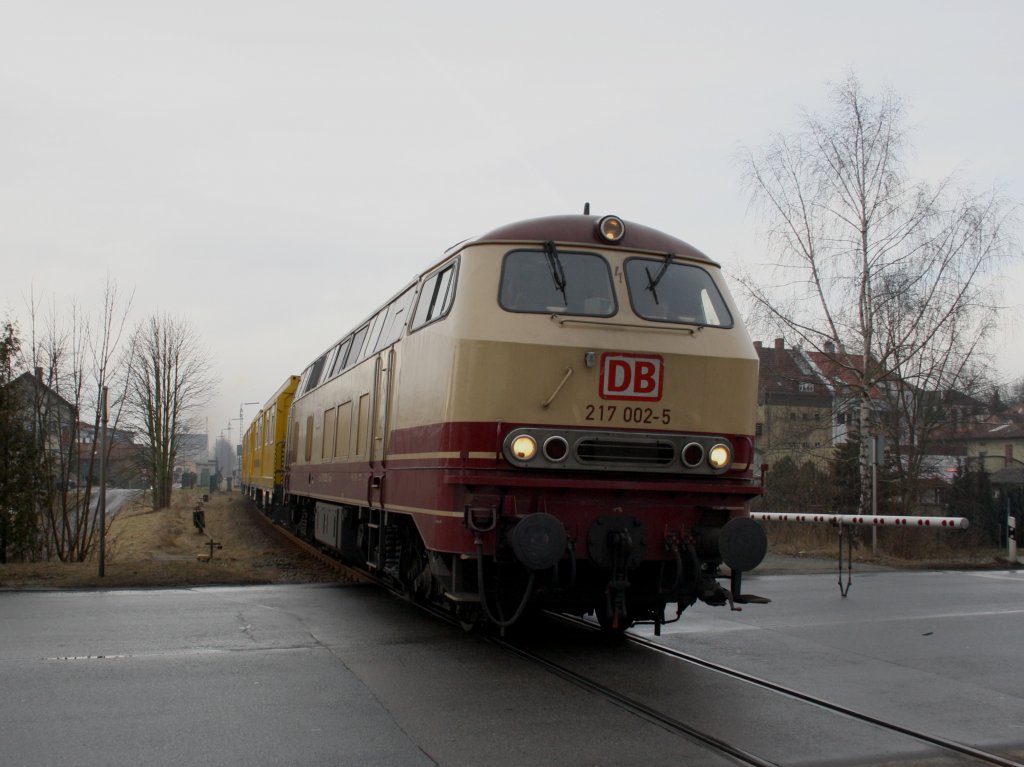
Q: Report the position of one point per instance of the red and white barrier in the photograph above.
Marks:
(880, 520)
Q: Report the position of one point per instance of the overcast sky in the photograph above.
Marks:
(273, 171)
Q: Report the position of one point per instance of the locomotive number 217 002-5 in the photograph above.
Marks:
(628, 414)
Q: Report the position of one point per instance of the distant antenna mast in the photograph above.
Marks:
(586, 209)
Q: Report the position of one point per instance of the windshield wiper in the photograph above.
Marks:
(652, 282)
(557, 272)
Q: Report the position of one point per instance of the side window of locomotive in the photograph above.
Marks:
(339, 361)
(395, 322)
(675, 293)
(563, 282)
(304, 381)
(315, 371)
(357, 344)
(332, 361)
(376, 326)
(436, 297)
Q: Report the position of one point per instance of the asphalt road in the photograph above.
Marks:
(939, 652)
(348, 675)
(116, 498)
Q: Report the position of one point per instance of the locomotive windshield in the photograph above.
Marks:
(543, 281)
(664, 291)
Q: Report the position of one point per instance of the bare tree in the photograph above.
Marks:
(893, 279)
(170, 381)
(73, 358)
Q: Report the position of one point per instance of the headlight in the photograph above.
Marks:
(524, 447)
(692, 455)
(719, 456)
(556, 449)
(611, 228)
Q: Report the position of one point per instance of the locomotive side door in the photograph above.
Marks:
(380, 423)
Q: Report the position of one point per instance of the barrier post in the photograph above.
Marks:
(1011, 528)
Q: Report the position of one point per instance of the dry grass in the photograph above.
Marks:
(146, 548)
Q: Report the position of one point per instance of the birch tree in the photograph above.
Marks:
(893, 279)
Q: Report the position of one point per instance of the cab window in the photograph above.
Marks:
(667, 291)
(556, 282)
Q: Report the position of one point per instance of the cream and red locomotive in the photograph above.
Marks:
(559, 414)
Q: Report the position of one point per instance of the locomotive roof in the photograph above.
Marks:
(582, 230)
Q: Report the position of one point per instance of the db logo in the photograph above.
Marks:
(631, 376)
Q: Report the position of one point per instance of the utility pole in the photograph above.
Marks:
(104, 417)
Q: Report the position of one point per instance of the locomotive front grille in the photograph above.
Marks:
(625, 452)
(567, 449)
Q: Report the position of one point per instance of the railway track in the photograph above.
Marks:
(958, 750)
(642, 710)
(981, 756)
(962, 753)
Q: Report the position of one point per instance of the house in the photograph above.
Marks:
(994, 445)
(193, 453)
(45, 414)
(125, 458)
(794, 407)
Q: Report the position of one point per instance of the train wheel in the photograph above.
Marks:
(469, 616)
(607, 620)
(417, 579)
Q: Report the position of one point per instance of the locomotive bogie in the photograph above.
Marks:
(575, 414)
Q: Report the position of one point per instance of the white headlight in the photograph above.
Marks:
(524, 447)
(611, 228)
(719, 456)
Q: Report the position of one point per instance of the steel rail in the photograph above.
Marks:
(935, 740)
(634, 707)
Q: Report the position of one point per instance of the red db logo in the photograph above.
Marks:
(631, 376)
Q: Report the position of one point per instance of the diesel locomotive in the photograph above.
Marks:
(558, 414)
